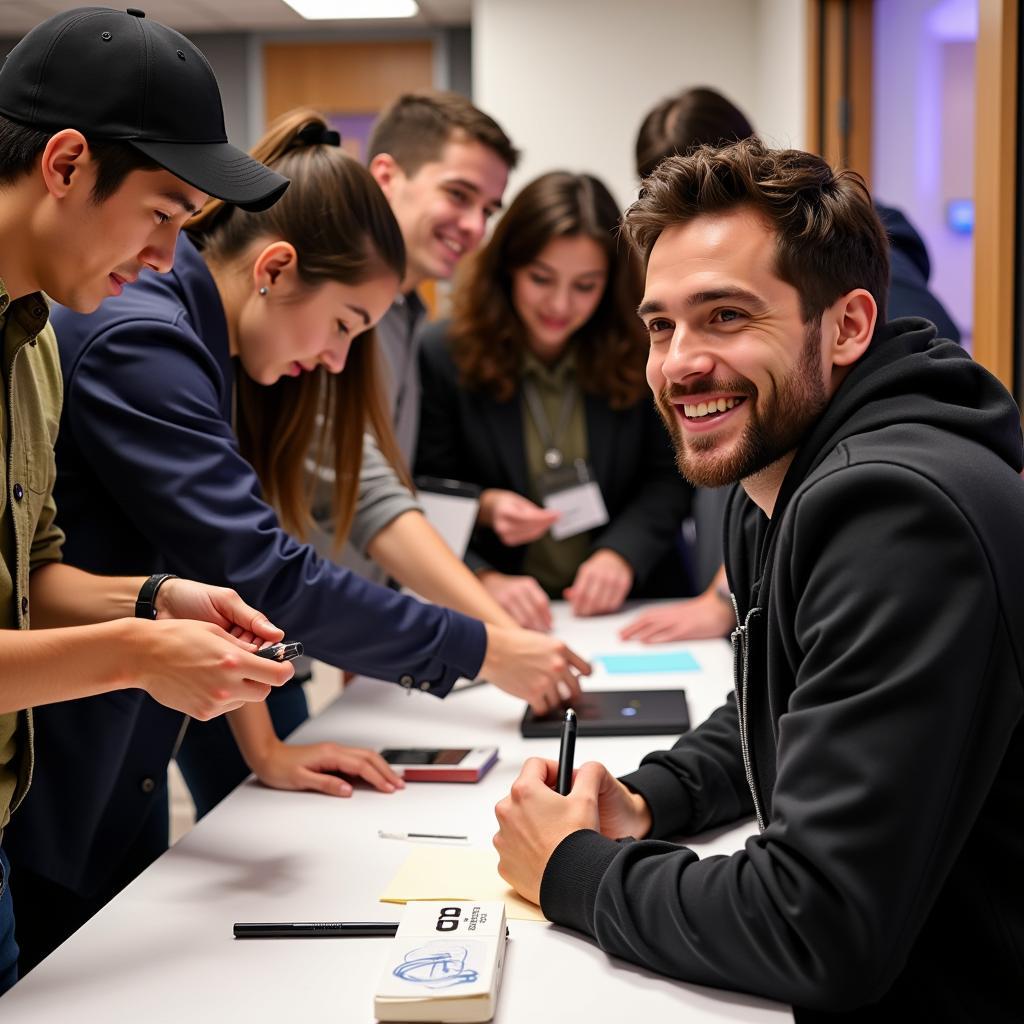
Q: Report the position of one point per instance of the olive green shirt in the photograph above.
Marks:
(553, 563)
(29, 537)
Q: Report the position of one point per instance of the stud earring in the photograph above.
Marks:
(264, 291)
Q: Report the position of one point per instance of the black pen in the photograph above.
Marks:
(315, 929)
(566, 752)
(281, 652)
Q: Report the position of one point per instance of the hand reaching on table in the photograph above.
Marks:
(601, 584)
(310, 766)
(539, 669)
(522, 597)
(704, 617)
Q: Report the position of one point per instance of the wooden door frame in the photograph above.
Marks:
(840, 69)
(997, 222)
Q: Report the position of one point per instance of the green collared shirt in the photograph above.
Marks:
(29, 537)
(553, 563)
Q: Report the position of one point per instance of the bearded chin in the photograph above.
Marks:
(776, 424)
(698, 461)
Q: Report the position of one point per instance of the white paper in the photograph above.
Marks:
(582, 509)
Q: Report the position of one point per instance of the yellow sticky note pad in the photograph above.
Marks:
(444, 873)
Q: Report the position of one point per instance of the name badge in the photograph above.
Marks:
(571, 491)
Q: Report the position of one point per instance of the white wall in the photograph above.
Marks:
(570, 80)
(779, 108)
(228, 54)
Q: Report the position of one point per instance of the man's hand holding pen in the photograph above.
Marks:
(198, 668)
(199, 655)
(533, 819)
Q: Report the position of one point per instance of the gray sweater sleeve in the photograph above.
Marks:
(382, 497)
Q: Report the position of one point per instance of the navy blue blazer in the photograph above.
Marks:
(150, 478)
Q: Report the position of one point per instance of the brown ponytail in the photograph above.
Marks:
(343, 230)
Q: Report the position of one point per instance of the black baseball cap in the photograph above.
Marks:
(115, 75)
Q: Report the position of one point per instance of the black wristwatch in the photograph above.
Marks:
(145, 603)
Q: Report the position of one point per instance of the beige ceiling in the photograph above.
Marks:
(232, 15)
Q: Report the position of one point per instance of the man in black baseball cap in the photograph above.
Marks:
(111, 135)
(87, 98)
(114, 75)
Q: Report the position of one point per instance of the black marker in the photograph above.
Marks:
(281, 652)
(316, 930)
(566, 752)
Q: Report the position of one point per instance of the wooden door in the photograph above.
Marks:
(839, 93)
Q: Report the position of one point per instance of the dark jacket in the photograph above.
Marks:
(468, 435)
(150, 479)
(879, 674)
(909, 271)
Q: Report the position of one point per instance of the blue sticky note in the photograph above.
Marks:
(653, 661)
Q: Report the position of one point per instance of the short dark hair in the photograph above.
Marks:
(417, 126)
(21, 145)
(829, 239)
(694, 117)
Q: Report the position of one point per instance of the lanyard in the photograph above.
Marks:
(550, 442)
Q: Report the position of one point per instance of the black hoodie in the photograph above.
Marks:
(881, 647)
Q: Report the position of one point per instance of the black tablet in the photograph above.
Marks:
(617, 713)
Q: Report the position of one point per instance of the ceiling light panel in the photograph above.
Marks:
(341, 10)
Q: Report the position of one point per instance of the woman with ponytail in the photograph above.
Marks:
(250, 332)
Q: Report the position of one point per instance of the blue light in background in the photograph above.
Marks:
(960, 216)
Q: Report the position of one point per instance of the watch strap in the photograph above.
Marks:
(145, 603)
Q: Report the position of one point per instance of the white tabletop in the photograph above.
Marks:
(163, 949)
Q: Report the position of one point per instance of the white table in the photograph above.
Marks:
(163, 950)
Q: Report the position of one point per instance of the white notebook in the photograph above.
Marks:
(444, 964)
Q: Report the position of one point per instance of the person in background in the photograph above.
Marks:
(534, 391)
(256, 322)
(443, 165)
(89, 194)
(678, 124)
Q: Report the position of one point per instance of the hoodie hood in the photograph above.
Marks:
(909, 376)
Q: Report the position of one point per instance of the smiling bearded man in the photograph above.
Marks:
(875, 565)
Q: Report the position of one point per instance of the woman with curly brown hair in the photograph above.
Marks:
(535, 392)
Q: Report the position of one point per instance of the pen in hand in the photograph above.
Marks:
(566, 753)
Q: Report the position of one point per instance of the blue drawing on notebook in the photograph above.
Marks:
(647, 661)
(436, 965)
